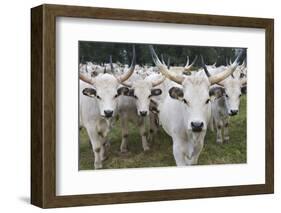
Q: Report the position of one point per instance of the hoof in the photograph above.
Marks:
(226, 139)
(104, 158)
(124, 154)
(98, 165)
(146, 149)
(124, 150)
(219, 141)
(150, 139)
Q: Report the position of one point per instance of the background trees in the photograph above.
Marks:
(99, 52)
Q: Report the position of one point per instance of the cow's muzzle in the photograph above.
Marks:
(108, 113)
(233, 112)
(143, 113)
(197, 126)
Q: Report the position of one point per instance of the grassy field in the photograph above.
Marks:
(160, 154)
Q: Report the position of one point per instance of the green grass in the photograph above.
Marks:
(160, 154)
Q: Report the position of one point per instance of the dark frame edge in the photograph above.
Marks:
(37, 190)
(43, 183)
(157, 196)
(269, 137)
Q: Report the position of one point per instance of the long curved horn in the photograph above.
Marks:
(205, 67)
(163, 69)
(187, 61)
(127, 75)
(86, 79)
(223, 75)
(187, 68)
(159, 81)
(168, 62)
(227, 63)
(127, 84)
(111, 65)
(230, 62)
(162, 60)
(243, 65)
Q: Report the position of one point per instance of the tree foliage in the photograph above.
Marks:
(99, 52)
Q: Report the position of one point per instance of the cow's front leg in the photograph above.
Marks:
(178, 154)
(104, 149)
(197, 151)
(143, 134)
(125, 132)
(153, 127)
(96, 145)
(219, 125)
(226, 130)
(98, 156)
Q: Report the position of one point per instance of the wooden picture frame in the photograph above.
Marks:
(43, 105)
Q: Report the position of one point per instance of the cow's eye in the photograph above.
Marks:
(98, 97)
(208, 100)
(226, 96)
(115, 96)
(185, 101)
(135, 97)
(240, 95)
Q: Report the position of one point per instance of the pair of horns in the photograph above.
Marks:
(189, 66)
(163, 61)
(180, 78)
(163, 69)
(222, 75)
(120, 78)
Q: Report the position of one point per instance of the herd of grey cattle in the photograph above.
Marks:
(182, 102)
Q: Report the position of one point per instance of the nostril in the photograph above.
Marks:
(233, 112)
(143, 113)
(197, 126)
(108, 113)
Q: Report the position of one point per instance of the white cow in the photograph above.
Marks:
(220, 116)
(98, 102)
(134, 106)
(185, 113)
(91, 69)
(226, 102)
(226, 99)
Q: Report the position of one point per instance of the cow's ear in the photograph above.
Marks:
(123, 91)
(130, 92)
(222, 91)
(155, 92)
(244, 90)
(217, 92)
(242, 75)
(89, 92)
(176, 93)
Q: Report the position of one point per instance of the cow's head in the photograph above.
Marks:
(143, 90)
(194, 93)
(105, 89)
(233, 87)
